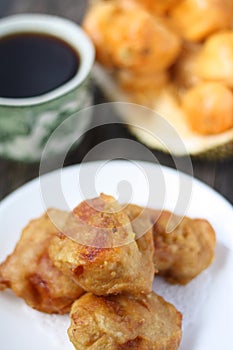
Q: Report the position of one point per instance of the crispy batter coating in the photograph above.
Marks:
(131, 39)
(139, 217)
(30, 273)
(113, 261)
(209, 108)
(196, 19)
(185, 252)
(124, 322)
(215, 62)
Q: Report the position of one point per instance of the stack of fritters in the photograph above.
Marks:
(112, 260)
(173, 52)
(109, 253)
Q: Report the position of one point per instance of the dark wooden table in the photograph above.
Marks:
(217, 174)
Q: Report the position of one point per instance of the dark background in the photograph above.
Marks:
(216, 173)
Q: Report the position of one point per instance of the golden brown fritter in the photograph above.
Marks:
(183, 253)
(215, 61)
(111, 260)
(131, 39)
(30, 273)
(124, 322)
(196, 19)
(209, 108)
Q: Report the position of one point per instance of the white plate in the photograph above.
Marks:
(206, 302)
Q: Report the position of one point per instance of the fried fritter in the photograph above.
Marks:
(30, 273)
(196, 19)
(215, 61)
(131, 39)
(183, 253)
(101, 253)
(124, 322)
(209, 108)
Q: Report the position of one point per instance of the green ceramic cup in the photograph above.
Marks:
(27, 123)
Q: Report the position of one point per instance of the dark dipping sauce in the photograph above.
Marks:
(33, 64)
